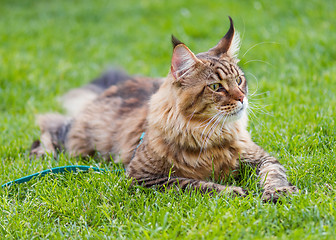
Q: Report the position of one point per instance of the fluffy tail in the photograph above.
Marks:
(77, 99)
(55, 127)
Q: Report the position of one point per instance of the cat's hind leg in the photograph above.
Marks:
(54, 128)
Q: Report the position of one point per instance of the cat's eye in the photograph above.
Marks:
(216, 86)
(239, 80)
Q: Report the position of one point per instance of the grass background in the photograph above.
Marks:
(288, 53)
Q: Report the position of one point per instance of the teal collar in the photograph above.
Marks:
(140, 142)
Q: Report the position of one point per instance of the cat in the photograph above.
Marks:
(173, 132)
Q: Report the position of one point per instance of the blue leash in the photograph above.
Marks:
(64, 169)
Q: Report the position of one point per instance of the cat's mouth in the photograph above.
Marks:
(234, 112)
(237, 111)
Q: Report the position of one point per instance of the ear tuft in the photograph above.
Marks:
(234, 48)
(175, 41)
(229, 44)
(182, 61)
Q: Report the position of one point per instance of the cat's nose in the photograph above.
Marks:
(240, 98)
(237, 95)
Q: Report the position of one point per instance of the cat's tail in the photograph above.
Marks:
(77, 99)
(55, 127)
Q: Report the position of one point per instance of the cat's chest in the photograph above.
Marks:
(205, 163)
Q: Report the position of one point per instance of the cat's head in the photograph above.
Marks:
(211, 82)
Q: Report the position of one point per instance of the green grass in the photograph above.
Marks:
(49, 47)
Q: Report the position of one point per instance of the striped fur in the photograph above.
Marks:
(166, 183)
(195, 122)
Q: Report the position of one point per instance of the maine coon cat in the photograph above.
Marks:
(193, 124)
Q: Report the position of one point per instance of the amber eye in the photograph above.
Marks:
(239, 80)
(216, 86)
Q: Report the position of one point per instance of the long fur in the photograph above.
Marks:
(194, 122)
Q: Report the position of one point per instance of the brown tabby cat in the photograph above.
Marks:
(194, 122)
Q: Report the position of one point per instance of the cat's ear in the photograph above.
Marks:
(229, 44)
(183, 60)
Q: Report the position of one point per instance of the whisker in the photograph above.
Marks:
(258, 45)
(203, 143)
(250, 111)
(257, 60)
(214, 125)
(190, 118)
(262, 93)
(260, 109)
(207, 125)
(252, 75)
(206, 120)
(256, 81)
(255, 106)
(226, 116)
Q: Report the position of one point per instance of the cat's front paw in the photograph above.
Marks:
(273, 195)
(234, 191)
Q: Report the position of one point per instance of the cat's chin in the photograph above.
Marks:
(232, 117)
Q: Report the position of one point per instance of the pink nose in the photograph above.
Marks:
(240, 98)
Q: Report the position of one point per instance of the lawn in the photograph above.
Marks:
(289, 56)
